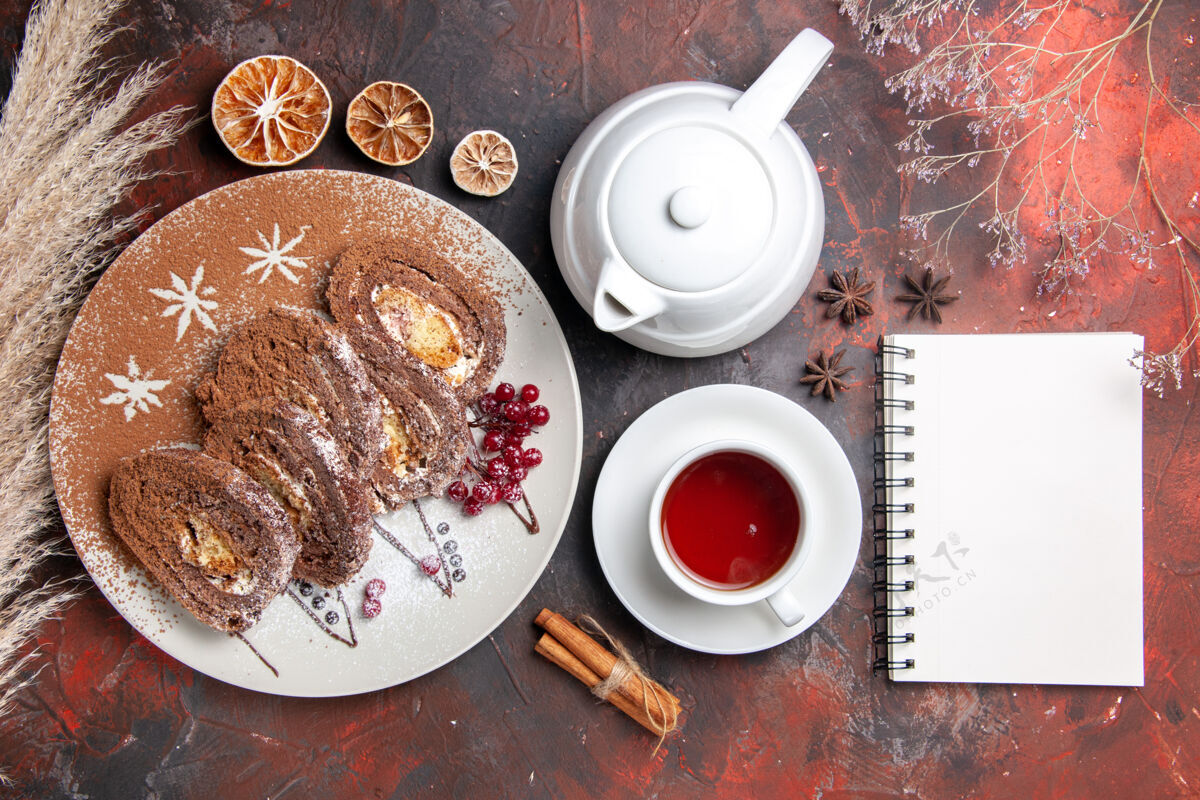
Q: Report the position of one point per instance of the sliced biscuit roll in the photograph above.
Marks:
(403, 300)
(288, 451)
(216, 539)
(427, 436)
(303, 359)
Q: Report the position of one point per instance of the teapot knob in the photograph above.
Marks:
(690, 207)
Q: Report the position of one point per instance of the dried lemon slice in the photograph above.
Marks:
(484, 163)
(271, 111)
(390, 122)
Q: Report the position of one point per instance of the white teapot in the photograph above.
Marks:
(688, 217)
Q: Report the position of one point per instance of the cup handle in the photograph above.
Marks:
(786, 607)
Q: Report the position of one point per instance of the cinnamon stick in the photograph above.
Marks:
(600, 661)
(556, 653)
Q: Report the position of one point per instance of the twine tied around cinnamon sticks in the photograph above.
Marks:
(617, 679)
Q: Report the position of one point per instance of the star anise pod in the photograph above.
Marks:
(825, 375)
(927, 296)
(848, 296)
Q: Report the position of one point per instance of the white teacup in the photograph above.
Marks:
(774, 589)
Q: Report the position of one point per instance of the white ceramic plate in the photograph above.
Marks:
(155, 323)
(620, 514)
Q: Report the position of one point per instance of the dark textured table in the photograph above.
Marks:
(110, 716)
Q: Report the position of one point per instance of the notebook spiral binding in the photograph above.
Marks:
(887, 461)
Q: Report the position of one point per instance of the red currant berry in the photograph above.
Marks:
(522, 429)
(512, 493)
(532, 457)
(457, 491)
(514, 456)
(472, 508)
(371, 608)
(513, 439)
(518, 474)
(493, 441)
(515, 410)
(488, 404)
(430, 565)
(376, 587)
(497, 467)
(530, 393)
(505, 392)
(538, 415)
(485, 492)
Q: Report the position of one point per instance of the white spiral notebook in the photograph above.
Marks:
(1009, 509)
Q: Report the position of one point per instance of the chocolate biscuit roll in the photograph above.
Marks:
(303, 359)
(216, 539)
(427, 436)
(288, 451)
(401, 300)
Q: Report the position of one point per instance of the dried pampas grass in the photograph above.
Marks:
(65, 164)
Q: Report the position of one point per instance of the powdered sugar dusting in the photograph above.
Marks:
(275, 256)
(136, 392)
(201, 245)
(187, 301)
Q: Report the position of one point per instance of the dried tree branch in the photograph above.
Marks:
(1028, 81)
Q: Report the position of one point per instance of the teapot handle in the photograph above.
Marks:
(768, 100)
(623, 298)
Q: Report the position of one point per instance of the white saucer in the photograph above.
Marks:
(643, 454)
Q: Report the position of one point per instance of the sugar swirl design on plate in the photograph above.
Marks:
(153, 326)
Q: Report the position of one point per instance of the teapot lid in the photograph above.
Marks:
(691, 207)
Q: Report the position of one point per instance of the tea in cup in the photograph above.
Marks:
(729, 525)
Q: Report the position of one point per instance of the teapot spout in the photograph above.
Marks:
(768, 100)
(623, 298)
